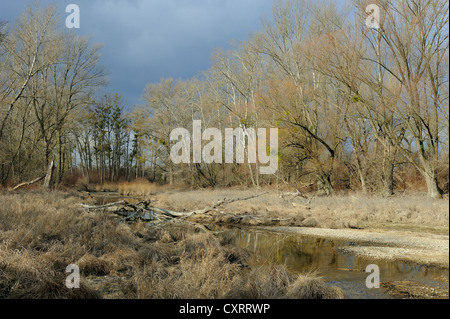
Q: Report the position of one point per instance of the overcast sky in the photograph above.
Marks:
(146, 40)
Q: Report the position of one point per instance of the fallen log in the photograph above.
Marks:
(143, 211)
(293, 194)
(224, 202)
(34, 181)
(122, 202)
(284, 196)
(204, 210)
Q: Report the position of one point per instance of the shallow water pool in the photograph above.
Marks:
(303, 253)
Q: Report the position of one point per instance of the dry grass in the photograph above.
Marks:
(411, 209)
(199, 274)
(139, 187)
(336, 212)
(275, 282)
(43, 232)
(142, 188)
(208, 273)
(106, 187)
(311, 286)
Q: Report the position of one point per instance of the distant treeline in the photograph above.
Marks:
(356, 108)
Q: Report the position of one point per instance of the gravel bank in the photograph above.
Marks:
(425, 249)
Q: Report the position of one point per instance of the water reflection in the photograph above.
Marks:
(302, 254)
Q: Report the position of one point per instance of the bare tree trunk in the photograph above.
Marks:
(387, 187)
(432, 186)
(48, 176)
(324, 184)
(387, 171)
(429, 173)
(362, 177)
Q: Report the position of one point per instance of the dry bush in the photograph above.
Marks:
(158, 252)
(107, 187)
(122, 259)
(202, 270)
(198, 242)
(311, 286)
(54, 288)
(73, 179)
(265, 282)
(208, 275)
(23, 275)
(91, 265)
(275, 282)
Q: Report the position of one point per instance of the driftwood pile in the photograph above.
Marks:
(144, 211)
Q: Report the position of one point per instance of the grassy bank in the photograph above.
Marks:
(411, 212)
(43, 232)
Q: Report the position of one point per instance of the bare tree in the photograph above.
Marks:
(49, 72)
(297, 25)
(415, 37)
(25, 58)
(239, 74)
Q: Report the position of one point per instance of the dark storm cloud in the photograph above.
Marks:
(147, 40)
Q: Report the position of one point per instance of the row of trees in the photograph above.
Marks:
(354, 105)
(103, 140)
(356, 108)
(50, 112)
